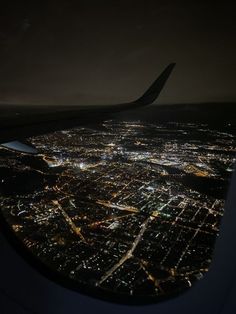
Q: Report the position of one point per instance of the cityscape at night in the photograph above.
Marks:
(131, 208)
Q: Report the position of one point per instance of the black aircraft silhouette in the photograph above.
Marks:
(21, 122)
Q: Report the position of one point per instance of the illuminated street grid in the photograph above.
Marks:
(132, 207)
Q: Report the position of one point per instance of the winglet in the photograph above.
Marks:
(154, 90)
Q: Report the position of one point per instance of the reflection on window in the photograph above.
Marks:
(132, 208)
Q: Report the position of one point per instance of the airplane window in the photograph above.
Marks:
(128, 210)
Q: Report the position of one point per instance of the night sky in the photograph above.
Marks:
(101, 52)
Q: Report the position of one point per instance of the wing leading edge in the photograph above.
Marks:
(21, 122)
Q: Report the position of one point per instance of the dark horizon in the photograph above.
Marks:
(87, 52)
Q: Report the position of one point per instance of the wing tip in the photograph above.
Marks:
(155, 89)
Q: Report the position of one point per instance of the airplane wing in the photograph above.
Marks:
(22, 121)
